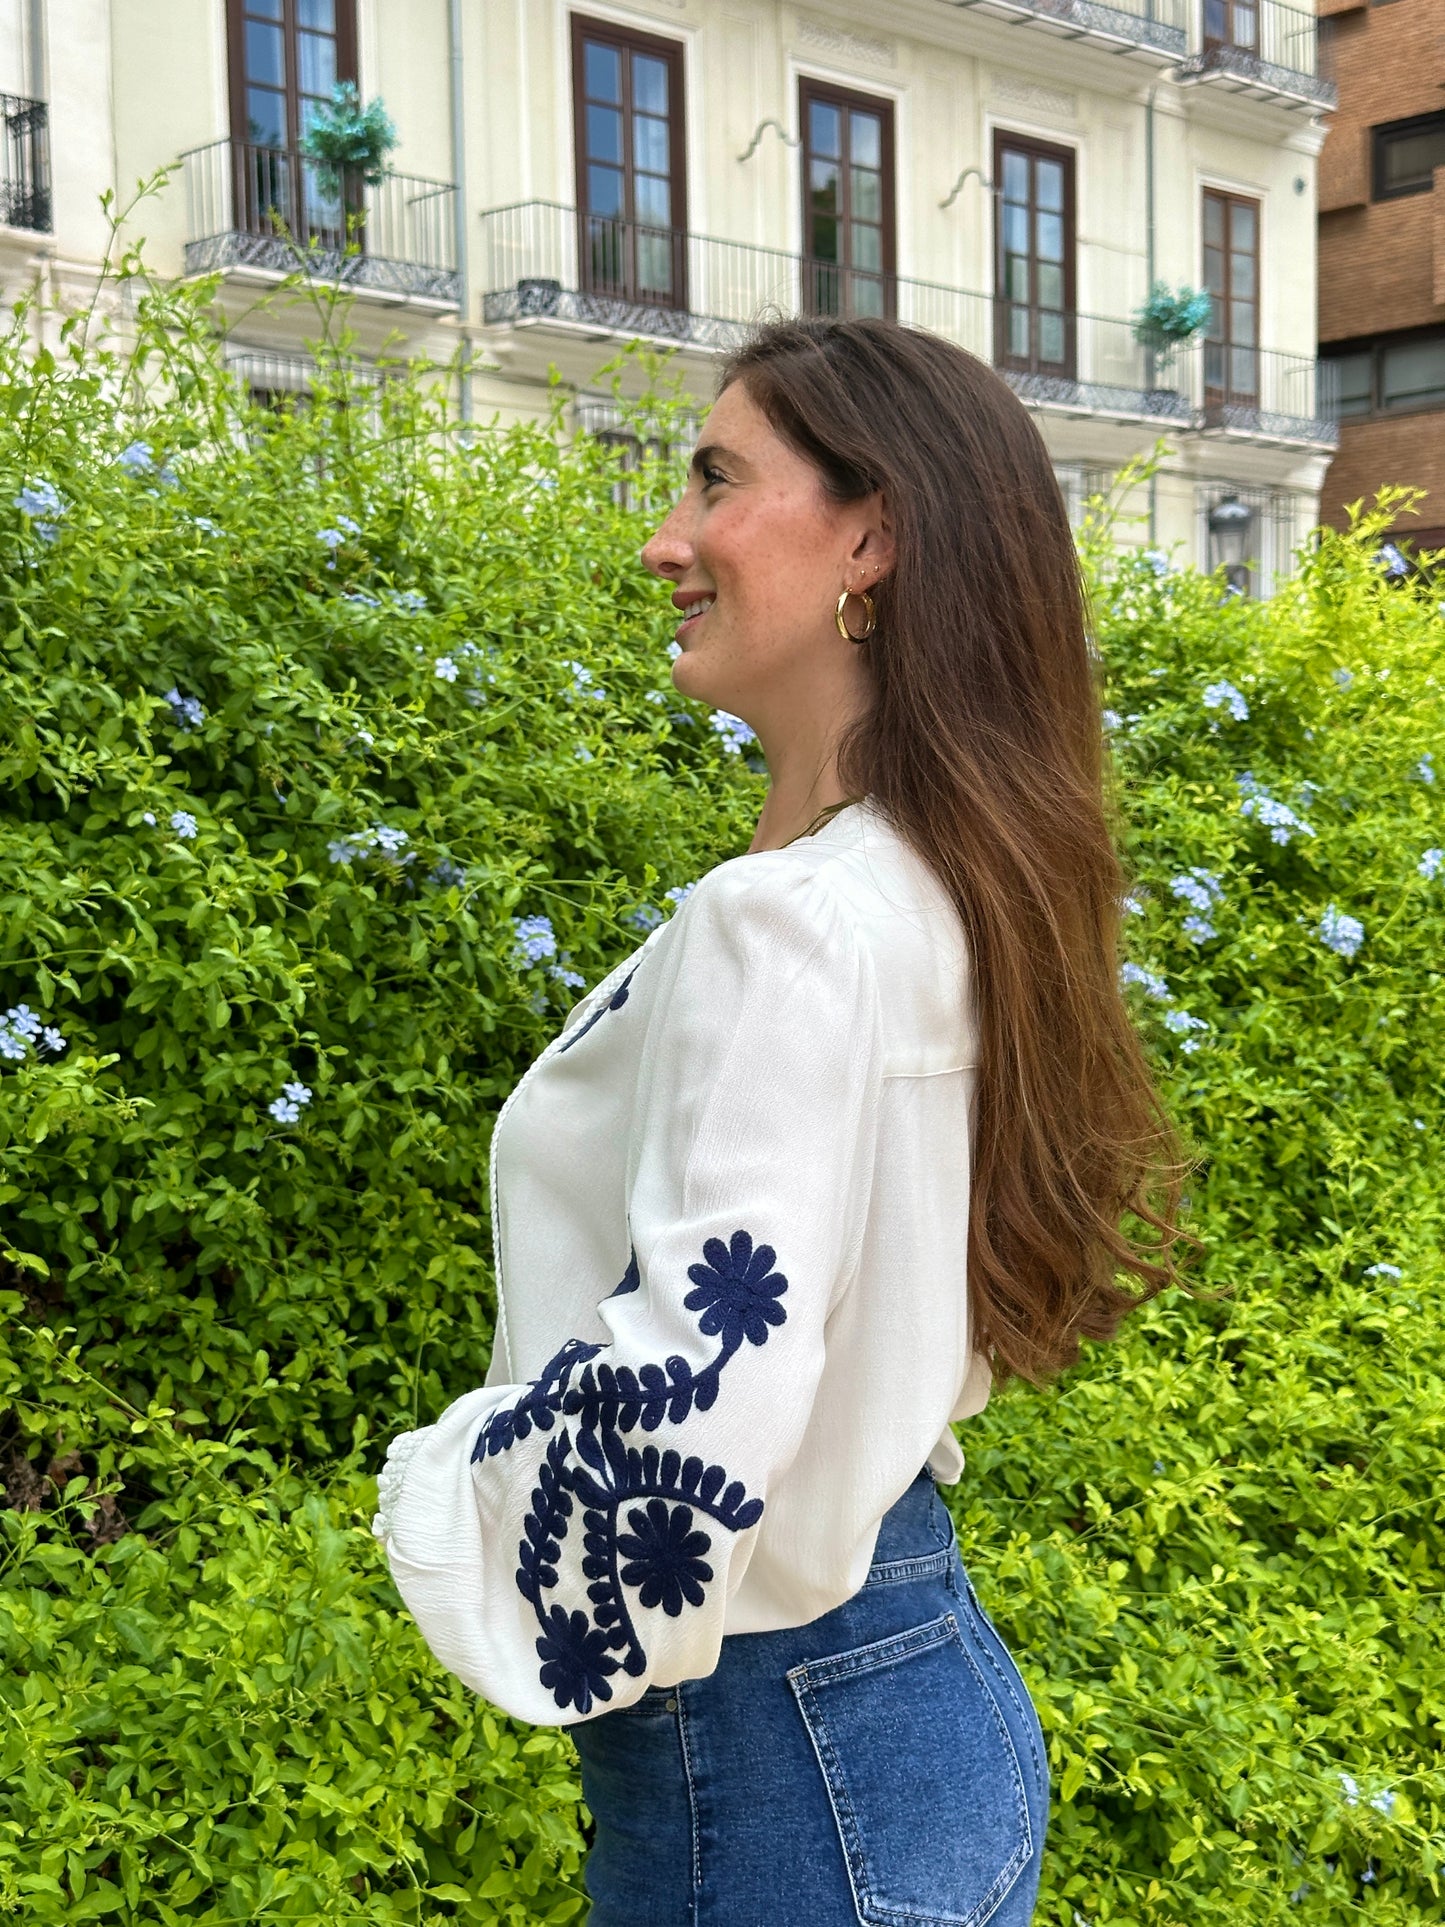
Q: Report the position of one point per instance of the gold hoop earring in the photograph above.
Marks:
(868, 609)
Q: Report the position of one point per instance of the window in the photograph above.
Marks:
(1034, 256)
(1231, 275)
(285, 56)
(631, 204)
(848, 230)
(1231, 23)
(1406, 154)
(1392, 376)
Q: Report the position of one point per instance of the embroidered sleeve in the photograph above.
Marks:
(566, 1543)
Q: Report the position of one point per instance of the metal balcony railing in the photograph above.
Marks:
(1264, 47)
(543, 263)
(1158, 26)
(256, 206)
(25, 164)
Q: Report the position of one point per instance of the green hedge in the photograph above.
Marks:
(307, 720)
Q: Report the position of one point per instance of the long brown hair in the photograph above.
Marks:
(984, 744)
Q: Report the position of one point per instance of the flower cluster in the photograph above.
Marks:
(184, 825)
(1278, 818)
(1112, 720)
(187, 712)
(1429, 864)
(1158, 561)
(137, 458)
(1179, 1021)
(22, 1031)
(735, 733)
(582, 683)
(287, 1108)
(1425, 768)
(645, 917)
(378, 841)
(1224, 695)
(1383, 1271)
(1202, 890)
(41, 501)
(1344, 677)
(1392, 560)
(536, 942)
(444, 873)
(1341, 933)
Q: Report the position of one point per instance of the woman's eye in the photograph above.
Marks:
(711, 475)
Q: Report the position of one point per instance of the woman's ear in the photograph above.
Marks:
(875, 550)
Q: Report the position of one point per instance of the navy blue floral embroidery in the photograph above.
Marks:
(591, 1465)
(614, 1002)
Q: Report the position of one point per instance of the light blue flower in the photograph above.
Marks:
(1344, 677)
(678, 894)
(1425, 768)
(360, 597)
(40, 498)
(345, 522)
(445, 669)
(187, 712)
(148, 816)
(1201, 889)
(1158, 561)
(390, 842)
(184, 824)
(582, 754)
(23, 1021)
(1200, 929)
(1134, 904)
(572, 978)
(409, 599)
(287, 1108)
(444, 873)
(52, 1039)
(1158, 1465)
(1112, 720)
(1384, 1801)
(333, 538)
(1351, 1788)
(1182, 1024)
(137, 458)
(1429, 865)
(1383, 1271)
(654, 696)
(1341, 933)
(12, 1046)
(735, 733)
(1393, 561)
(206, 525)
(536, 939)
(674, 649)
(1280, 820)
(645, 917)
(1224, 695)
(1132, 973)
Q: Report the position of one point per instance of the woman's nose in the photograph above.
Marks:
(668, 552)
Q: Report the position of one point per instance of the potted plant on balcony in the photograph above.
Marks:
(1167, 320)
(346, 139)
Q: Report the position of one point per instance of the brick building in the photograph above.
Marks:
(1382, 255)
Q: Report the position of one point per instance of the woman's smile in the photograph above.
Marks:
(694, 607)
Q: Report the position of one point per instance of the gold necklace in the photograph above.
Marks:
(828, 809)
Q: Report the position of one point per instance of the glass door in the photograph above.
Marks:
(848, 226)
(1231, 276)
(285, 57)
(1035, 328)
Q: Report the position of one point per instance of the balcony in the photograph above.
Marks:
(552, 273)
(1157, 29)
(269, 211)
(25, 164)
(1266, 50)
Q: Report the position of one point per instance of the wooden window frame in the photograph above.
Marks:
(1380, 138)
(1214, 392)
(632, 40)
(1229, 38)
(1005, 140)
(346, 67)
(809, 90)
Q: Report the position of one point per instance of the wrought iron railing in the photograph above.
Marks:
(252, 205)
(543, 262)
(25, 164)
(1269, 42)
(1160, 24)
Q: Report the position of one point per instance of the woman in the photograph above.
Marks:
(843, 1143)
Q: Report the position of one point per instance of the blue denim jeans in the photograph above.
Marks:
(883, 1764)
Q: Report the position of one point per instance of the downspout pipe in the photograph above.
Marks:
(459, 204)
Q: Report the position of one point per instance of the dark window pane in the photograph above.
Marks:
(865, 139)
(604, 135)
(1214, 275)
(1412, 374)
(1049, 177)
(267, 9)
(602, 71)
(604, 191)
(825, 237)
(1213, 222)
(649, 84)
(1016, 278)
(265, 54)
(265, 117)
(824, 124)
(1051, 285)
(1410, 159)
(1018, 331)
(654, 262)
(1215, 19)
(823, 185)
(1051, 337)
(649, 144)
(1354, 380)
(317, 13)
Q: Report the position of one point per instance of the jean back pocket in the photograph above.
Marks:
(923, 1776)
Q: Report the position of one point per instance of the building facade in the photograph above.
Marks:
(574, 174)
(1382, 256)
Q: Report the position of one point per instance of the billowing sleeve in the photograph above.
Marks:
(567, 1543)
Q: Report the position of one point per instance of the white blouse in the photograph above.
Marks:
(730, 1221)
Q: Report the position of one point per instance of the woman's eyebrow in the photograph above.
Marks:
(709, 452)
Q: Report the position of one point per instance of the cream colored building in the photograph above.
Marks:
(569, 175)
